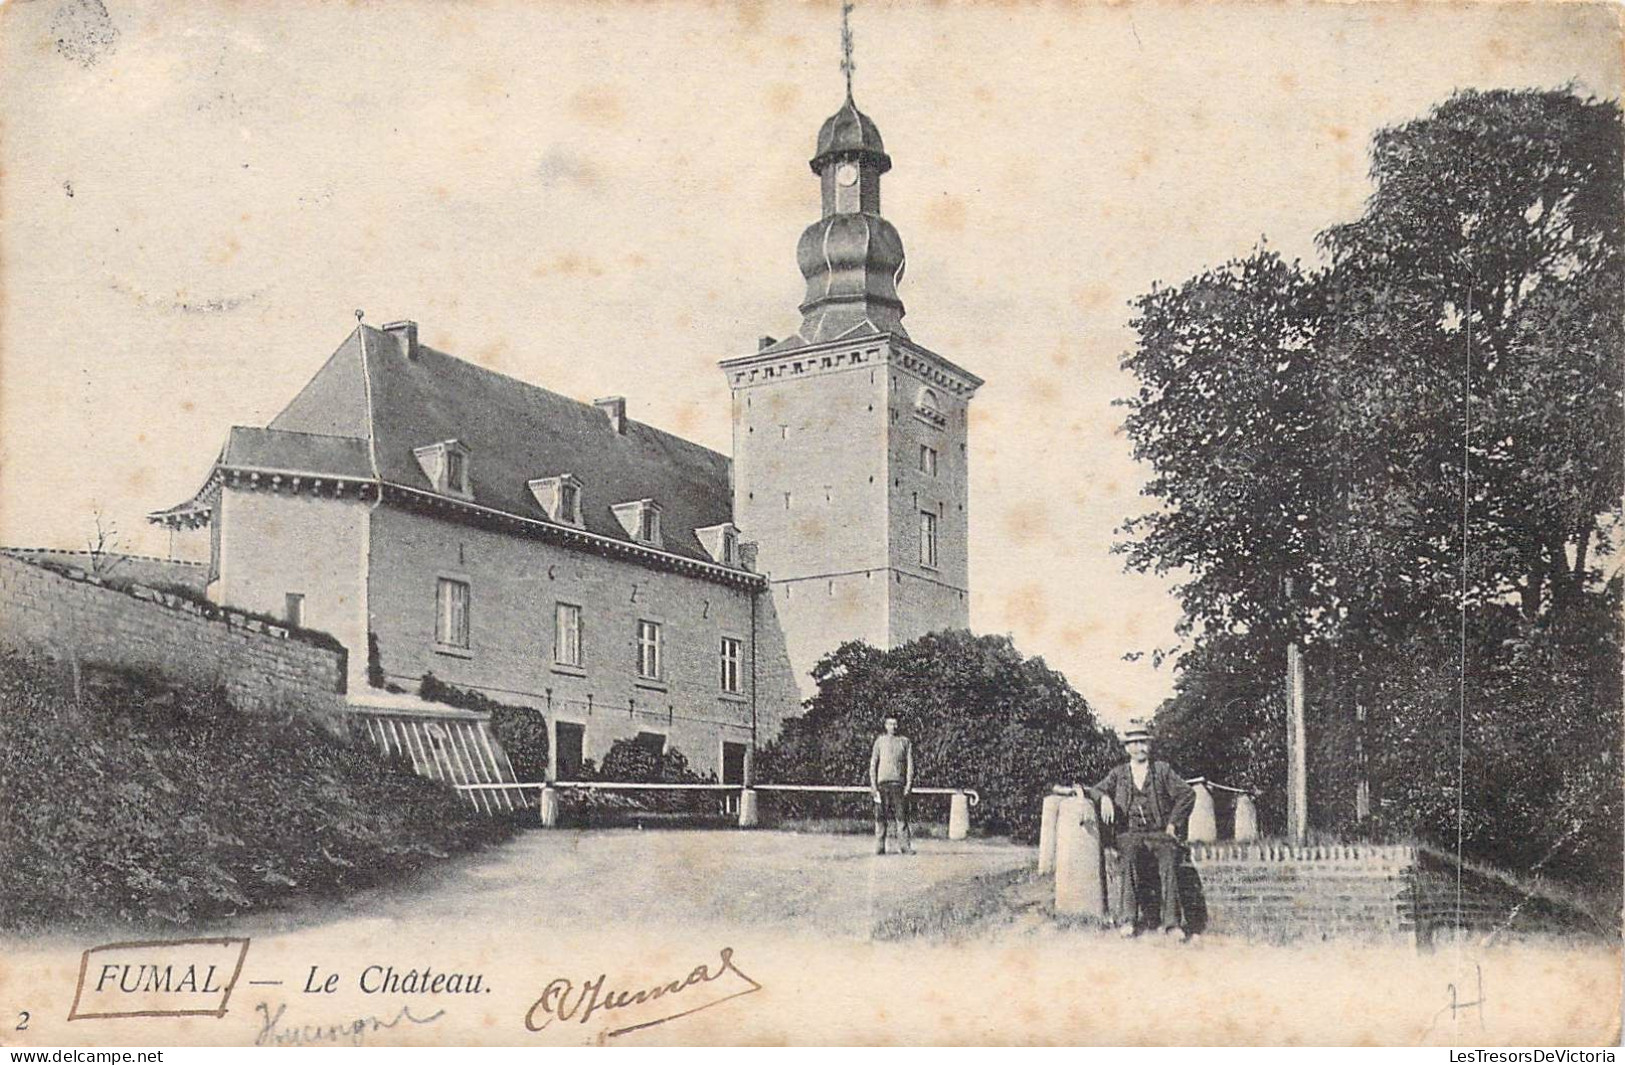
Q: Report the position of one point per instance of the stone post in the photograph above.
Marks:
(550, 807)
(1204, 823)
(1246, 819)
(747, 808)
(1046, 834)
(1080, 866)
(958, 815)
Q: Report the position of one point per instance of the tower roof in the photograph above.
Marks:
(849, 132)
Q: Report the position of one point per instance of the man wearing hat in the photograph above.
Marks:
(1147, 801)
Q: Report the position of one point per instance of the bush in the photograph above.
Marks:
(141, 801)
(980, 714)
(630, 761)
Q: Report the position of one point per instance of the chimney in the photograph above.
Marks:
(614, 408)
(407, 334)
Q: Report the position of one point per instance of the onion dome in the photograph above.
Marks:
(847, 133)
(852, 264)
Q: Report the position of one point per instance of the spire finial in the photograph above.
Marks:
(847, 66)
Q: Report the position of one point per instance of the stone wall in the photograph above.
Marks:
(74, 617)
(144, 569)
(1282, 892)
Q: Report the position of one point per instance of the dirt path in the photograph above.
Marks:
(638, 910)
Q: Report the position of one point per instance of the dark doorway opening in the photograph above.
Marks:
(571, 738)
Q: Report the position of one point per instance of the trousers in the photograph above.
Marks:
(1131, 846)
(893, 806)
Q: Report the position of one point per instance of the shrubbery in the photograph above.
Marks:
(981, 716)
(140, 801)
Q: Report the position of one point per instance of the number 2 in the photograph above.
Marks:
(22, 1025)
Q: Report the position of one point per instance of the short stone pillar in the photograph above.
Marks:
(958, 815)
(747, 808)
(1246, 819)
(1080, 864)
(1046, 834)
(550, 807)
(1204, 823)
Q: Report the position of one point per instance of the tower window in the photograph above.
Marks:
(929, 409)
(928, 539)
(928, 460)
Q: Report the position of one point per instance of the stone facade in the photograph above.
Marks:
(264, 668)
(515, 585)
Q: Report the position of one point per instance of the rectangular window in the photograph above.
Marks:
(567, 634)
(649, 650)
(732, 654)
(928, 460)
(569, 504)
(649, 525)
(293, 609)
(451, 613)
(928, 539)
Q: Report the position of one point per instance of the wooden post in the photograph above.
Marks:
(1297, 783)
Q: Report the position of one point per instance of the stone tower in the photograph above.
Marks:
(849, 439)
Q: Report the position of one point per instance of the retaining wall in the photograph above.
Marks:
(1282, 892)
(75, 617)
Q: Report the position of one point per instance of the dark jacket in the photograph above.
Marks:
(1171, 798)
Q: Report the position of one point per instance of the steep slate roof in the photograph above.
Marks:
(515, 432)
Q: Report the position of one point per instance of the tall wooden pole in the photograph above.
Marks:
(1297, 777)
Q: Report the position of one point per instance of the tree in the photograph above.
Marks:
(1424, 433)
(981, 716)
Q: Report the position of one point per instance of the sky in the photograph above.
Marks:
(605, 198)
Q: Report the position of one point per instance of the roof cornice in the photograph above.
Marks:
(848, 353)
(256, 478)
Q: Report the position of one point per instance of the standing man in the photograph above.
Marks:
(1147, 801)
(891, 778)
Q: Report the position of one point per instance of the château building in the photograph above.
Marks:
(440, 518)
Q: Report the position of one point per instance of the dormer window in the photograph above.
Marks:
(641, 520)
(560, 498)
(721, 542)
(446, 466)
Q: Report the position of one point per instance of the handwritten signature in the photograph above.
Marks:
(562, 1000)
(354, 1032)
